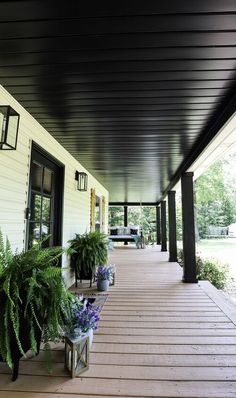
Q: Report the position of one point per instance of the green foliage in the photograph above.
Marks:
(178, 217)
(209, 269)
(144, 216)
(215, 197)
(116, 216)
(32, 293)
(70, 317)
(213, 271)
(89, 250)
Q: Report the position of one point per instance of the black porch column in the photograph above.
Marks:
(125, 216)
(163, 226)
(158, 225)
(125, 220)
(172, 227)
(189, 268)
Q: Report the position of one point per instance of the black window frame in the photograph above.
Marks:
(39, 155)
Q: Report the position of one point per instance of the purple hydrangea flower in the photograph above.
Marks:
(104, 272)
(88, 318)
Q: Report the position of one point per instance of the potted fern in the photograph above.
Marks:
(34, 301)
(87, 251)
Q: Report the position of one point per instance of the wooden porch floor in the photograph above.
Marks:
(158, 337)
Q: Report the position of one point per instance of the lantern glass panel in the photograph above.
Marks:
(12, 129)
(3, 119)
(82, 181)
(9, 120)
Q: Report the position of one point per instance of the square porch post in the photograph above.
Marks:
(163, 226)
(158, 225)
(189, 268)
(125, 220)
(172, 227)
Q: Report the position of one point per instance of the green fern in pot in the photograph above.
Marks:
(33, 300)
(88, 250)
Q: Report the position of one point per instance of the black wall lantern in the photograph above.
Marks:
(82, 181)
(9, 123)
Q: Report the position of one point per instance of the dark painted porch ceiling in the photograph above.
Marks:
(128, 89)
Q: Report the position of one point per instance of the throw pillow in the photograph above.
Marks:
(114, 232)
(133, 231)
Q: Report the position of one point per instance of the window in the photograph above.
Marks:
(45, 200)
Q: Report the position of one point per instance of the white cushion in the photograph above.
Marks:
(120, 236)
(126, 230)
(121, 231)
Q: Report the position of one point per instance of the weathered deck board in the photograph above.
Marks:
(120, 387)
(163, 359)
(167, 332)
(158, 337)
(167, 325)
(165, 349)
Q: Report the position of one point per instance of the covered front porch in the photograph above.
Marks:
(158, 337)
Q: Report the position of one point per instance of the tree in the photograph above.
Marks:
(116, 216)
(215, 199)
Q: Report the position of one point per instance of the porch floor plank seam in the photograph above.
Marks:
(158, 337)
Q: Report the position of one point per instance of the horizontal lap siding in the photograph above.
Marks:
(14, 175)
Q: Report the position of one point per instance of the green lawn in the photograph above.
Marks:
(221, 249)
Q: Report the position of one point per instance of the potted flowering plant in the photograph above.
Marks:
(82, 319)
(87, 320)
(103, 276)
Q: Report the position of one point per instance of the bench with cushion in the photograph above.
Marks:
(124, 234)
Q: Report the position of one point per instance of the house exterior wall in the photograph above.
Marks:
(14, 180)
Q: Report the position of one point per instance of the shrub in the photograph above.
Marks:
(209, 269)
(214, 271)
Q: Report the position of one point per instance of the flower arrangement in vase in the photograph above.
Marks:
(83, 319)
(104, 275)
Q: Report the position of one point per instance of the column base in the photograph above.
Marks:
(189, 280)
(173, 260)
(163, 250)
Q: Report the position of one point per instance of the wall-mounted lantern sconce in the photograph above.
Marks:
(9, 124)
(82, 181)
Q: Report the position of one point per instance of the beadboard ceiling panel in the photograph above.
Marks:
(133, 91)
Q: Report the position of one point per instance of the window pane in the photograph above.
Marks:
(34, 233)
(46, 232)
(46, 208)
(47, 181)
(36, 176)
(35, 207)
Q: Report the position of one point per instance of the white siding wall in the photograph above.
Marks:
(14, 175)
